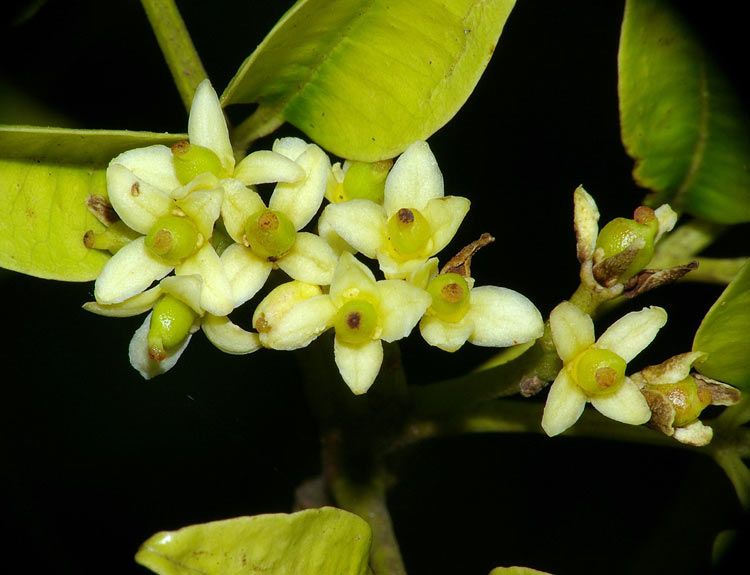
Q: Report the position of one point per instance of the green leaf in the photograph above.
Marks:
(366, 78)
(680, 118)
(516, 571)
(724, 334)
(324, 540)
(47, 176)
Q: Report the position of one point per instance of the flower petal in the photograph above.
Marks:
(153, 165)
(352, 279)
(187, 289)
(301, 200)
(310, 260)
(402, 305)
(445, 216)
(216, 295)
(290, 147)
(394, 268)
(414, 180)
(265, 166)
(632, 333)
(448, 336)
(586, 223)
(238, 205)
(360, 223)
(130, 271)
(359, 365)
(229, 337)
(331, 237)
(138, 203)
(503, 317)
(297, 325)
(140, 359)
(626, 405)
(667, 219)
(565, 403)
(135, 305)
(572, 330)
(203, 207)
(673, 370)
(247, 273)
(207, 126)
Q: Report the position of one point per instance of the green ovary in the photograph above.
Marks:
(171, 321)
(173, 238)
(365, 180)
(685, 397)
(356, 322)
(450, 297)
(409, 233)
(191, 160)
(598, 371)
(270, 234)
(621, 233)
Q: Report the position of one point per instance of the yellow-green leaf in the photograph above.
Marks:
(47, 176)
(366, 78)
(724, 334)
(680, 118)
(516, 571)
(325, 540)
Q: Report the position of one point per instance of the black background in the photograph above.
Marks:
(93, 460)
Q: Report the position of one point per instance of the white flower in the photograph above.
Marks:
(414, 223)
(488, 316)
(594, 370)
(363, 312)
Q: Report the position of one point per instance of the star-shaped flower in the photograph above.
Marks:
(415, 221)
(594, 370)
(362, 311)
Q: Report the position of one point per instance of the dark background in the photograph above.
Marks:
(93, 460)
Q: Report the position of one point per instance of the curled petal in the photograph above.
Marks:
(360, 223)
(297, 326)
(627, 404)
(695, 434)
(138, 203)
(586, 223)
(301, 200)
(203, 207)
(216, 295)
(421, 275)
(310, 260)
(238, 205)
(448, 336)
(565, 404)
(229, 337)
(667, 219)
(572, 330)
(359, 365)
(140, 359)
(207, 126)
(135, 305)
(352, 279)
(673, 370)
(414, 180)
(393, 268)
(187, 289)
(632, 333)
(290, 147)
(503, 317)
(152, 164)
(130, 271)
(247, 273)
(445, 216)
(402, 305)
(265, 166)
(331, 237)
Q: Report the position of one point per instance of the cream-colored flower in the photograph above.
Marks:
(415, 221)
(362, 311)
(594, 370)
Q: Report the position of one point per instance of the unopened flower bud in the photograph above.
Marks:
(450, 297)
(173, 238)
(171, 321)
(686, 398)
(191, 160)
(270, 234)
(408, 232)
(113, 237)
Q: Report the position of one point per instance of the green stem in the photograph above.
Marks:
(177, 47)
(681, 245)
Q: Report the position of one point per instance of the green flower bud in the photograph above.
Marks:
(171, 321)
(191, 160)
(408, 232)
(173, 238)
(270, 234)
(366, 180)
(622, 234)
(450, 297)
(356, 322)
(598, 371)
(687, 399)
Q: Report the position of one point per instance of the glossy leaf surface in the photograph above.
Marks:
(325, 540)
(680, 118)
(366, 78)
(725, 334)
(46, 178)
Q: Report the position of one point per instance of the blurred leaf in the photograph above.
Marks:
(724, 334)
(516, 571)
(324, 540)
(738, 474)
(680, 118)
(46, 178)
(366, 78)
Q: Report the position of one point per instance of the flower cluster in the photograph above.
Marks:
(205, 242)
